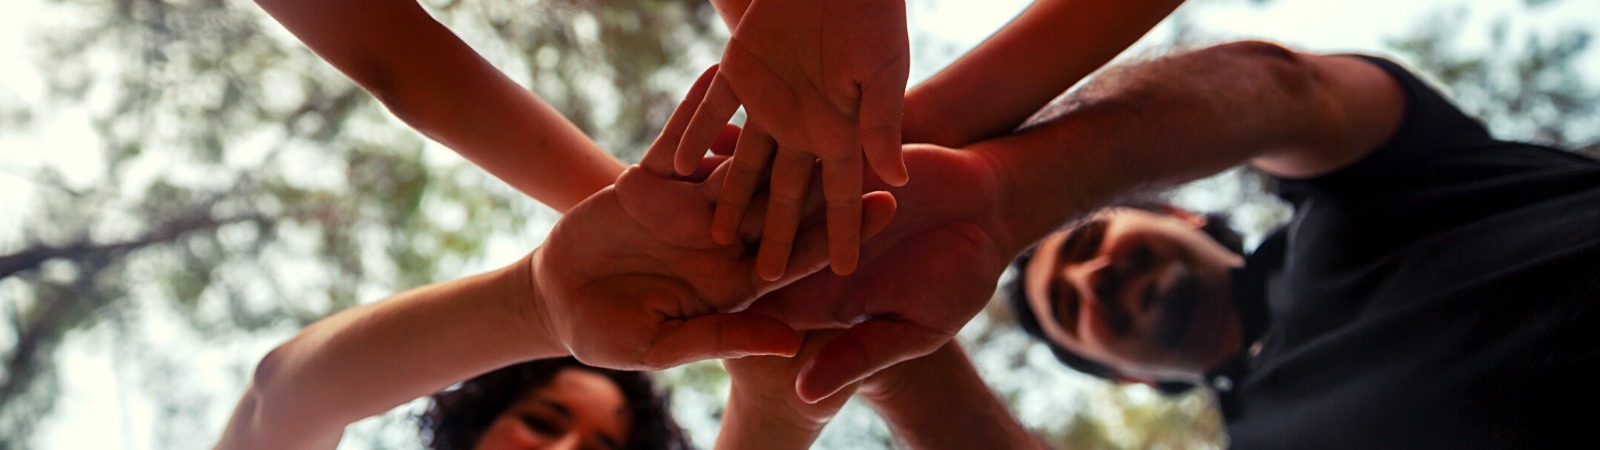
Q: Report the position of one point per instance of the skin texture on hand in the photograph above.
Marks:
(631, 280)
(823, 82)
(939, 401)
(763, 410)
(922, 278)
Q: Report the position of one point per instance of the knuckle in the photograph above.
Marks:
(796, 156)
(785, 200)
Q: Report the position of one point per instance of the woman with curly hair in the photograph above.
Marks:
(552, 402)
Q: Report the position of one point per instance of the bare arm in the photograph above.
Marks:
(1044, 51)
(368, 359)
(434, 82)
(939, 401)
(1163, 122)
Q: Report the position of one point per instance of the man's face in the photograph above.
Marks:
(1145, 293)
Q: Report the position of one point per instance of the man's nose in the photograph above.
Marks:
(1086, 276)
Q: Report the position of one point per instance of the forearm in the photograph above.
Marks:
(939, 401)
(370, 358)
(1044, 51)
(437, 84)
(1153, 125)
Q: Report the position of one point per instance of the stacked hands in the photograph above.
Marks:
(636, 279)
(822, 82)
(688, 257)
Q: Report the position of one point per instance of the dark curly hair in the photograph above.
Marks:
(457, 417)
(1016, 296)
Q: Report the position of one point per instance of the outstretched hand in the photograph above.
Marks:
(630, 279)
(920, 280)
(822, 81)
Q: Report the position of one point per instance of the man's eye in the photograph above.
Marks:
(541, 425)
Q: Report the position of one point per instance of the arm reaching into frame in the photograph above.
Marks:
(938, 401)
(625, 280)
(1144, 126)
(763, 411)
(1044, 51)
(438, 85)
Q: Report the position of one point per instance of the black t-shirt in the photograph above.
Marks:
(1438, 293)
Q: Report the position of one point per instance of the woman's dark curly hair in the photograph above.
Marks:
(457, 417)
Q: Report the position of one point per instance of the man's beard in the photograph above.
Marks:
(1178, 303)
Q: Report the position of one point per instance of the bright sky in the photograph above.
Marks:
(118, 419)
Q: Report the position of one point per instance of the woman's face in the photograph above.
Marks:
(578, 409)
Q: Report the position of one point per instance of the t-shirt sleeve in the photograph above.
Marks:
(1431, 126)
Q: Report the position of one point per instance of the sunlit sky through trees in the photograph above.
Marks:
(96, 410)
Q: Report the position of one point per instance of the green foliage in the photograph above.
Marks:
(249, 189)
(1526, 87)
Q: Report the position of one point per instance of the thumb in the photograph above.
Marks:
(725, 335)
(862, 351)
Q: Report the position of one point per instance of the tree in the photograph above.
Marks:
(1535, 91)
(249, 189)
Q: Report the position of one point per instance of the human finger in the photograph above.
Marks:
(862, 351)
(726, 139)
(724, 335)
(708, 166)
(810, 249)
(882, 108)
(791, 179)
(755, 215)
(715, 109)
(751, 161)
(841, 187)
(658, 158)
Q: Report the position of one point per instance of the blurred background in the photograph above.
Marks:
(183, 186)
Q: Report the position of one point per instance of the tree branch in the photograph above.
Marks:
(33, 256)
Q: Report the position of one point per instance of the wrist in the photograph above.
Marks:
(1015, 209)
(756, 421)
(1033, 198)
(781, 409)
(886, 386)
(528, 303)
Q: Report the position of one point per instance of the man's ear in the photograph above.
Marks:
(1194, 220)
